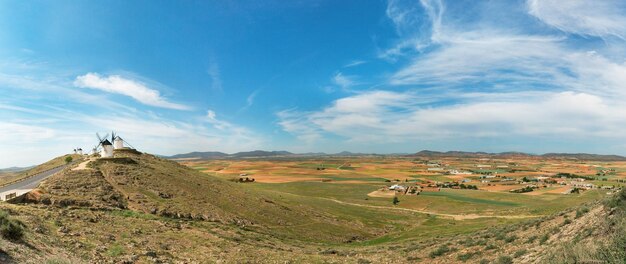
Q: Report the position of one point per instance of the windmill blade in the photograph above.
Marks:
(112, 136)
(99, 137)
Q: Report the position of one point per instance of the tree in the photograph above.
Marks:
(68, 159)
(395, 200)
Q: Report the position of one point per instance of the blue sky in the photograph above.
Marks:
(307, 76)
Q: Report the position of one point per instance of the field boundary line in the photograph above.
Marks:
(453, 216)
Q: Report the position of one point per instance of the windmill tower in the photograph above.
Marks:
(107, 147)
(79, 151)
(118, 142)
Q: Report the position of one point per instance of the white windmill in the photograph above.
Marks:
(107, 147)
(118, 142)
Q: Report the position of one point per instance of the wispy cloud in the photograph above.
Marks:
(475, 73)
(216, 79)
(590, 18)
(344, 81)
(354, 63)
(119, 85)
(384, 116)
(299, 124)
(250, 100)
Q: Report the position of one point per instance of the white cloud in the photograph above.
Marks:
(299, 124)
(344, 81)
(591, 18)
(15, 133)
(391, 117)
(354, 63)
(417, 23)
(119, 85)
(480, 56)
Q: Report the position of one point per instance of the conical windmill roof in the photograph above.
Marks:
(106, 142)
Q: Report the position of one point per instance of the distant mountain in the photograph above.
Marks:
(580, 156)
(260, 153)
(450, 153)
(423, 153)
(201, 155)
(222, 155)
(15, 169)
(585, 156)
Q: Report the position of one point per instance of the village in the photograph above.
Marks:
(501, 176)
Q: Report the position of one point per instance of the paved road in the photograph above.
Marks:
(27, 185)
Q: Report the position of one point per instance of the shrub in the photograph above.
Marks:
(68, 159)
(510, 239)
(567, 222)
(11, 229)
(531, 239)
(395, 200)
(490, 247)
(504, 260)
(580, 212)
(484, 261)
(57, 261)
(443, 249)
(543, 239)
(467, 256)
(519, 253)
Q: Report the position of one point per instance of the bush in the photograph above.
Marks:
(443, 249)
(580, 212)
(467, 256)
(395, 200)
(510, 239)
(519, 253)
(10, 228)
(68, 159)
(567, 222)
(490, 247)
(504, 260)
(543, 239)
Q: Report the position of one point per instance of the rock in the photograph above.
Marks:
(64, 230)
(151, 254)
(39, 230)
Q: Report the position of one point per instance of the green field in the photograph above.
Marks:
(416, 217)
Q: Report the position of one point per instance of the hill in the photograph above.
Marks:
(139, 208)
(15, 169)
(221, 155)
(579, 156)
(147, 184)
(9, 177)
(199, 155)
(260, 153)
(585, 156)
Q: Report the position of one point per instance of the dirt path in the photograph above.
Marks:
(453, 216)
(83, 165)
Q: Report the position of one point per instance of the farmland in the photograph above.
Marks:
(382, 209)
(442, 202)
